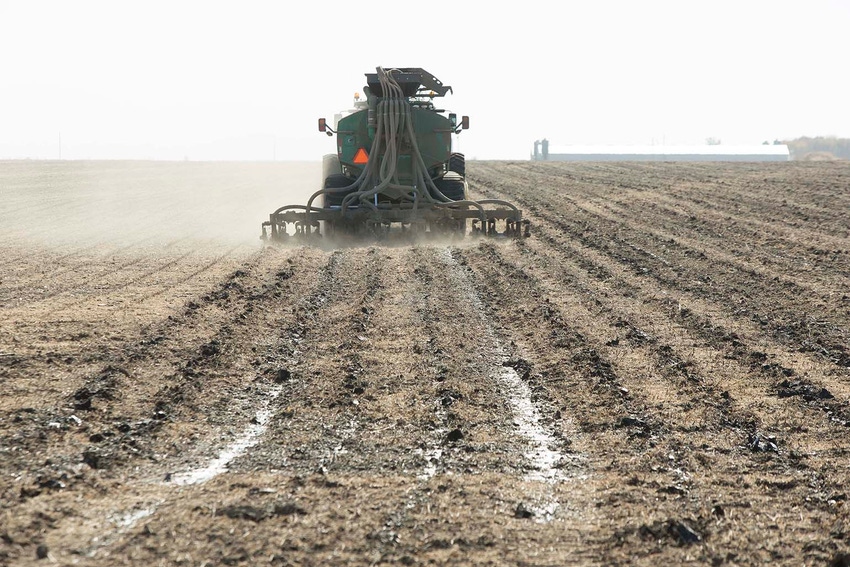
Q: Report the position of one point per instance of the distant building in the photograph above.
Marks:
(719, 152)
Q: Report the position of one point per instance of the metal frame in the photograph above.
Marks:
(378, 221)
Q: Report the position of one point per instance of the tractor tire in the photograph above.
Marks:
(452, 187)
(330, 166)
(335, 181)
(338, 228)
(457, 163)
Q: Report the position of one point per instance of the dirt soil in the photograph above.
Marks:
(659, 375)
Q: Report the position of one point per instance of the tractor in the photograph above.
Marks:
(395, 170)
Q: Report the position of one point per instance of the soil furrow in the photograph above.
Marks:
(704, 321)
(702, 374)
(786, 247)
(825, 290)
(125, 418)
(787, 323)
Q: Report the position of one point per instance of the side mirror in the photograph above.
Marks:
(464, 123)
(323, 127)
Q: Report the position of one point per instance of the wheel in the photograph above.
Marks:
(330, 166)
(457, 163)
(335, 181)
(452, 186)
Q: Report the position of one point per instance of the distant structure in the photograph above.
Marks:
(544, 154)
(714, 152)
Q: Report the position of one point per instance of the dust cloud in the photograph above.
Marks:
(146, 203)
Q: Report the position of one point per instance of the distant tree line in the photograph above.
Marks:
(819, 148)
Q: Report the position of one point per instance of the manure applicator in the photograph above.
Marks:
(394, 166)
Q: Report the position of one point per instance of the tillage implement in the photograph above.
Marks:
(394, 165)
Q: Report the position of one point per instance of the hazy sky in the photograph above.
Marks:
(241, 80)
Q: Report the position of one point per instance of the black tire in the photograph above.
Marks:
(335, 181)
(452, 187)
(336, 228)
(457, 163)
(330, 166)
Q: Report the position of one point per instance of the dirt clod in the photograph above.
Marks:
(523, 511)
(210, 349)
(763, 444)
(454, 435)
(808, 392)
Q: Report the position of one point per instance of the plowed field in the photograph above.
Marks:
(659, 375)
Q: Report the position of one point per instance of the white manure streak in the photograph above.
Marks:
(125, 521)
(544, 460)
(432, 459)
(121, 522)
(249, 437)
(542, 457)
